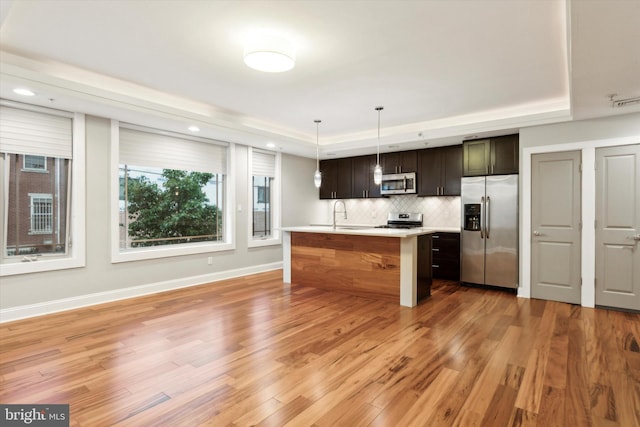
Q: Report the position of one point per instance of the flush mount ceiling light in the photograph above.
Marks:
(269, 53)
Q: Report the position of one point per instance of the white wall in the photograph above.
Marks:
(31, 294)
(585, 136)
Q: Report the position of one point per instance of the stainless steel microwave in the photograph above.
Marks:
(398, 183)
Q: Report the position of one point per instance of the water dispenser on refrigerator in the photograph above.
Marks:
(472, 216)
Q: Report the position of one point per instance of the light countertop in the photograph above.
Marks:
(362, 230)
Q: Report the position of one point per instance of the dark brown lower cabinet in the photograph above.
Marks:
(446, 256)
(425, 274)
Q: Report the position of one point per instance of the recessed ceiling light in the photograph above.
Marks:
(24, 91)
(194, 128)
(271, 145)
(269, 53)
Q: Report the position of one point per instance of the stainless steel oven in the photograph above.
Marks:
(398, 183)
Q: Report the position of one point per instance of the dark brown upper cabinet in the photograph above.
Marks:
(362, 177)
(399, 162)
(491, 156)
(336, 178)
(504, 155)
(440, 171)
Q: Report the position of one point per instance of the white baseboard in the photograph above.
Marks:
(48, 307)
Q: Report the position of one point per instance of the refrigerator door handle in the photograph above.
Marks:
(488, 218)
(482, 216)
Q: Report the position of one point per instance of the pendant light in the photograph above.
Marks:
(317, 177)
(377, 170)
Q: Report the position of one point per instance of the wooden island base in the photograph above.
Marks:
(358, 265)
(393, 268)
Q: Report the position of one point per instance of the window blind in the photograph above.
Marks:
(35, 133)
(263, 164)
(140, 148)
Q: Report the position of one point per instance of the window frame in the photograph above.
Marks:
(31, 169)
(276, 208)
(76, 254)
(164, 251)
(32, 215)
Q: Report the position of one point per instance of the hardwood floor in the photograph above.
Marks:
(252, 351)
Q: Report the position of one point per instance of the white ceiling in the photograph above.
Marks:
(443, 70)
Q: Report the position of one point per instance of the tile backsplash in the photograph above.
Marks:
(437, 211)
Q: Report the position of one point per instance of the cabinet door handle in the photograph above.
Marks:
(435, 250)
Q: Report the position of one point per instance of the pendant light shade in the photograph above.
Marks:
(377, 170)
(377, 174)
(317, 176)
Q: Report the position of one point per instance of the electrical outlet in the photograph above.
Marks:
(210, 260)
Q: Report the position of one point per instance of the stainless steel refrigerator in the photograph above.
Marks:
(489, 232)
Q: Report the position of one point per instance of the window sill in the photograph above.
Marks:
(34, 170)
(43, 264)
(140, 254)
(257, 243)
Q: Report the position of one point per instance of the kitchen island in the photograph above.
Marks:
(382, 263)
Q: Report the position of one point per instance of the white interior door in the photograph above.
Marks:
(618, 227)
(555, 223)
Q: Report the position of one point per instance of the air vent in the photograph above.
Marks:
(617, 103)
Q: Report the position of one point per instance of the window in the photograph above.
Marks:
(38, 216)
(171, 195)
(169, 206)
(264, 172)
(41, 214)
(261, 206)
(35, 163)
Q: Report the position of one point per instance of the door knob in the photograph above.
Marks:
(636, 237)
(537, 233)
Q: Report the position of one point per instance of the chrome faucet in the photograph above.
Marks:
(334, 211)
